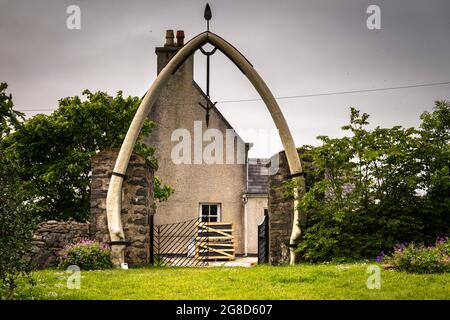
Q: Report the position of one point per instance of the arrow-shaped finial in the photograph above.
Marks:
(207, 15)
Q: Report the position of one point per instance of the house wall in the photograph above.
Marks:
(177, 107)
(255, 214)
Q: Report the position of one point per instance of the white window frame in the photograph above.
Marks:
(219, 209)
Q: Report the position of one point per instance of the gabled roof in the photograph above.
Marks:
(199, 89)
(257, 176)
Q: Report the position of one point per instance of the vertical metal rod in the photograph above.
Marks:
(159, 262)
(152, 243)
(207, 250)
(207, 75)
(266, 237)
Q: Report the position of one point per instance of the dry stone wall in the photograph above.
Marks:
(52, 236)
(137, 206)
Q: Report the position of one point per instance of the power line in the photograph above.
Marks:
(433, 84)
(343, 92)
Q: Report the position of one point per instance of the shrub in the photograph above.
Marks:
(86, 254)
(420, 259)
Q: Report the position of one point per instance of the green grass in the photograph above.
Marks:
(323, 281)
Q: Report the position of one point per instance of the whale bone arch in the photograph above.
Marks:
(114, 196)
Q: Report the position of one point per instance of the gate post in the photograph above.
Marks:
(137, 204)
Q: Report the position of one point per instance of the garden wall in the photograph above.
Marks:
(51, 236)
(137, 206)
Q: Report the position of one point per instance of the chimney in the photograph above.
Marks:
(170, 48)
(180, 38)
(169, 39)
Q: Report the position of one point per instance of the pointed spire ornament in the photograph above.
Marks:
(208, 105)
(207, 15)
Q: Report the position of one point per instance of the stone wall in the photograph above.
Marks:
(51, 236)
(137, 203)
(280, 214)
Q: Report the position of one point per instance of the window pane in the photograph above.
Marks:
(209, 212)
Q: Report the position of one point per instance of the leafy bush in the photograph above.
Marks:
(86, 254)
(420, 259)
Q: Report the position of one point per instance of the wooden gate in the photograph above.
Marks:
(220, 244)
(190, 243)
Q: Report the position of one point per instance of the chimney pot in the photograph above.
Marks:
(180, 38)
(169, 39)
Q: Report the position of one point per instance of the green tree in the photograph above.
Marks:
(434, 155)
(9, 118)
(379, 187)
(16, 222)
(16, 231)
(53, 152)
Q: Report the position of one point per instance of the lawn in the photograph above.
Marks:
(323, 281)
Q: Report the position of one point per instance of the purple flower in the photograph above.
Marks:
(380, 257)
(400, 247)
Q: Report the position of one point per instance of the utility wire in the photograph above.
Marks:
(343, 92)
(314, 95)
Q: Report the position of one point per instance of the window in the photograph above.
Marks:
(210, 212)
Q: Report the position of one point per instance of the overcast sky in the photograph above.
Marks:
(298, 47)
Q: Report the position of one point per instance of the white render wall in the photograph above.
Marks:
(255, 214)
(177, 107)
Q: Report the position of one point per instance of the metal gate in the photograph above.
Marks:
(263, 240)
(179, 244)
